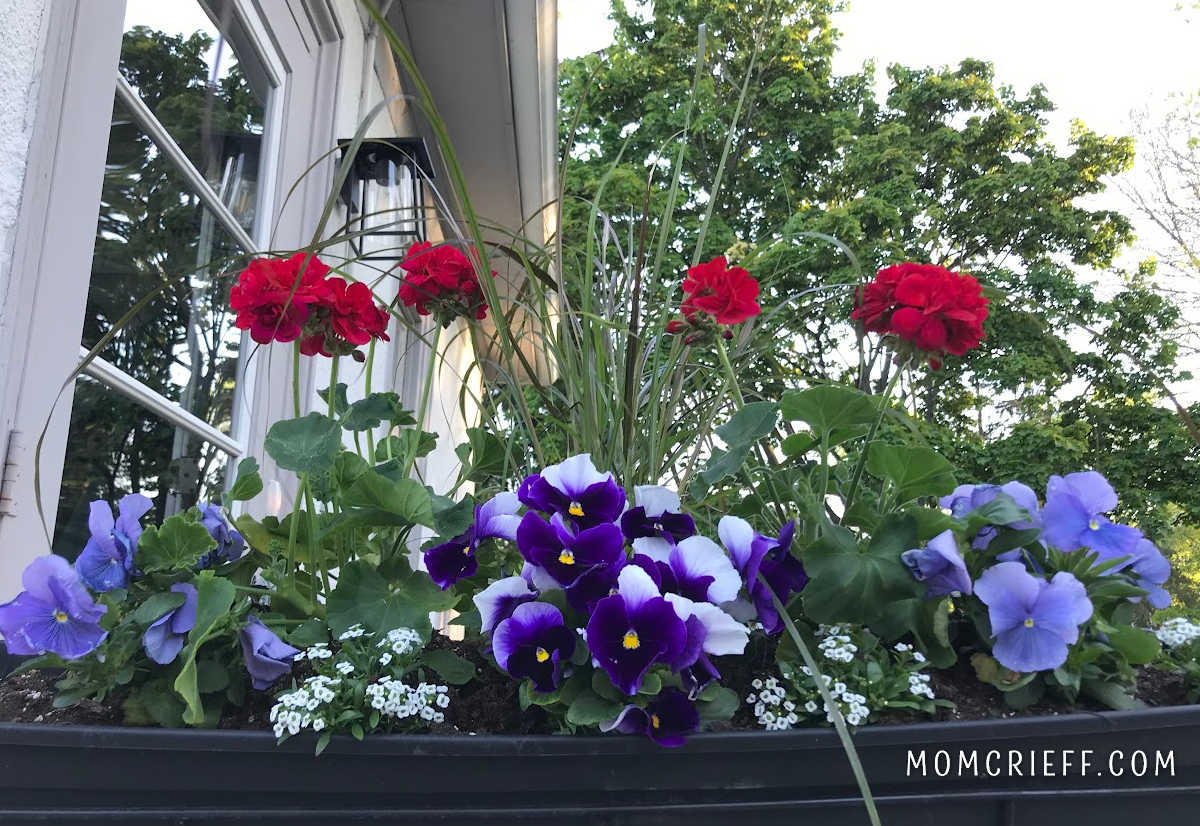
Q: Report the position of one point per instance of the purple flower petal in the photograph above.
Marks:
(267, 657)
(533, 643)
(1009, 591)
(451, 561)
(703, 571)
(940, 566)
(54, 613)
(497, 517)
(498, 601)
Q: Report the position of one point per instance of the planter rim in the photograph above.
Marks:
(127, 737)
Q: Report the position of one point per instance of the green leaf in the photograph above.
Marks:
(930, 522)
(988, 670)
(407, 498)
(157, 605)
(174, 546)
(724, 463)
(1003, 510)
(211, 676)
(602, 686)
(248, 484)
(588, 709)
(751, 423)
(452, 518)
(1114, 695)
(372, 411)
(928, 620)
(798, 444)
(830, 408)
(718, 704)
(914, 471)
(453, 669)
(214, 598)
(305, 445)
(339, 398)
(308, 633)
(1138, 646)
(850, 583)
(651, 684)
(363, 596)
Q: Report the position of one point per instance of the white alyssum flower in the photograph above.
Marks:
(1178, 631)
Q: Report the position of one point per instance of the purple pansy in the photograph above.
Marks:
(575, 489)
(534, 643)
(164, 638)
(967, 498)
(656, 516)
(1074, 516)
(267, 657)
(940, 566)
(1033, 621)
(697, 568)
(564, 555)
(455, 559)
(497, 602)
(667, 719)
(106, 561)
(594, 585)
(230, 543)
(1152, 570)
(54, 613)
(753, 554)
(633, 629)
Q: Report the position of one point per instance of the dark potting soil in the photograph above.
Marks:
(488, 704)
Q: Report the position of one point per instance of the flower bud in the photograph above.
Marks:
(675, 327)
(691, 339)
(727, 334)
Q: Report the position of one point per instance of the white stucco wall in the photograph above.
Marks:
(21, 44)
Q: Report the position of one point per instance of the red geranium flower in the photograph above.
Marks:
(272, 298)
(726, 293)
(441, 281)
(345, 317)
(933, 309)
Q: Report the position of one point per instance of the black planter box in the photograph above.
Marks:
(69, 774)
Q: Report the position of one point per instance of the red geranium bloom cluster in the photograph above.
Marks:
(441, 281)
(716, 292)
(268, 300)
(346, 317)
(934, 310)
(275, 302)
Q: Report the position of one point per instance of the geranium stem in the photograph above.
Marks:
(296, 378)
(367, 388)
(862, 459)
(839, 723)
(333, 377)
(425, 390)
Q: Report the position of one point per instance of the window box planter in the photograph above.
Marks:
(78, 774)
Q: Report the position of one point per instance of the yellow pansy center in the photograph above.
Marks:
(575, 509)
(60, 616)
(654, 721)
(1029, 622)
(1093, 524)
(630, 641)
(566, 557)
(542, 654)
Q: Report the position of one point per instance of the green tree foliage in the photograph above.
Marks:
(951, 167)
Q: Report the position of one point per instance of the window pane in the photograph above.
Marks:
(117, 447)
(211, 103)
(153, 233)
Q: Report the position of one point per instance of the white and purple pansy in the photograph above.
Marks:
(656, 515)
(1074, 516)
(534, 643)
(697, 568)
(564, 555)
(755, 554)
(455, 560)
(940, 566)
(667, 719)
(633, 629)
(106, 561)
(576, 490)
(497, 602)
(723, 635)
(1033, 621)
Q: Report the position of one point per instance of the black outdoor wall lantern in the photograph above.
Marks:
(385, 197)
